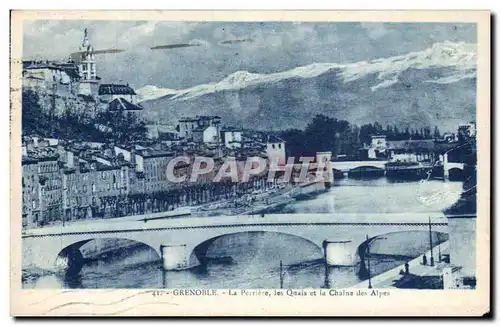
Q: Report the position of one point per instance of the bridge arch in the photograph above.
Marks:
(200, 251)
(337, 174)
(456, 174)
(70, 259)
(401, 238)
(353, 251)
(366, 171)
(438, 237)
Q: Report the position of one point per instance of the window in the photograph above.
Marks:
(84, 188)
(33, 204)
(103, 175)
(274, 146)
(279, 146)
(93, 188)
(109, 186)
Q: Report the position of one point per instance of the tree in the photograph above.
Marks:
(389, 132)
(366, 131)
(124, 126)
(70, 125)
(407, 133)
(437, 134)
(33, 119)
(323, 134)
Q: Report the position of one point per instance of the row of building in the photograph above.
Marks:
(420, 150)
(64, 180)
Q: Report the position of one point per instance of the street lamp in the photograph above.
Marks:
(430, 242)
(439, 248)
(367, 255)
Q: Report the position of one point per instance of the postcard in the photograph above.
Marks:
(250, 163)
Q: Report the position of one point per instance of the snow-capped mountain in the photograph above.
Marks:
(440, 76)
(150, 92)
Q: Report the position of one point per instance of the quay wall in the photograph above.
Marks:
(393, 274)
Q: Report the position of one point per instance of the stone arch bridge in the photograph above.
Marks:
(177, 240)
(345, 167)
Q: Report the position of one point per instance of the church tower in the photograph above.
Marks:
(87, 67)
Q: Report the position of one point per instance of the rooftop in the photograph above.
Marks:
(29, 160)
(105, 167)
(231, 129)
(120, 104)
(199, 118)
(411, 144)
(200, 128)
(274, 139)
(115, 89)
(69, 67)
(150, 153)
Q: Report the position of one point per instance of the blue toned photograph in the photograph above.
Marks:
(249, 155)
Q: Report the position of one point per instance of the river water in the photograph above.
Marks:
(252, 260)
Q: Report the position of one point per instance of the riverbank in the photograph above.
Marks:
(263, 201)
(419, 277)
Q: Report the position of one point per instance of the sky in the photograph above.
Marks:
(219, 49)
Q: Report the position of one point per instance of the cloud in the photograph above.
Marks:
(375, 30)
(139, 32)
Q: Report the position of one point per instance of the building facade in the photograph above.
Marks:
(275, 150)
(232, 137)
(30, 191)
(109, 92)
(187, 127)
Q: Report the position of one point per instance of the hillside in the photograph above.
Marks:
(432, 87)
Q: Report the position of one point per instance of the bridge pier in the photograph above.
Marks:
(177, 257)
(446, 171)
(340, 253)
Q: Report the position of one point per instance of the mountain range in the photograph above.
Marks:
(436, 86)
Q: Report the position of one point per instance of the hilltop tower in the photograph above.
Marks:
(87, 67)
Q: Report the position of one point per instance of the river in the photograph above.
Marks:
(252, 260)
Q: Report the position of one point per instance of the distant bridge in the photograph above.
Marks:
(346, 166)
(182, 242)
(453, 168)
